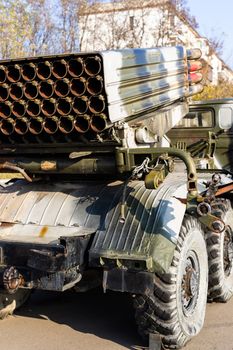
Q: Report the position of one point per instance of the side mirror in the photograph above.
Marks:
(225, 118)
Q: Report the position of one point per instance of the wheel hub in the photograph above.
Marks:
(11, 279)
(228, 251)
(190, 283)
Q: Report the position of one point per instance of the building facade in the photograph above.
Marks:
(145, 23)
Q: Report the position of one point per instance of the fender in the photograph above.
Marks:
(147, 238)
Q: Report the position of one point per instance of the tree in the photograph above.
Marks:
(42, 28)
(68, 24)
(184, 11)
(14, 28)
(224, 89)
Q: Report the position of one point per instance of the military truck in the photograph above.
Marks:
(207, 131)
(103, 199)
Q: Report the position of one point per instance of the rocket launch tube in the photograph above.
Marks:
(97, 104)
(82, 123)
(62, 87)
(34, 107)
(2, 74)
(19, 108)
(36, 125)
(98, 122)
(92, 65)
(31, 90)
(46, 88)
(51, 124)
(95, 85)
(78, 86)
(76, 67)
(59, 69)
(66, 124)
(4, 92)
(7, 126)
(16, 91)
(29, 71)
(13, 73)
(44, 70)
(64, 106)
(21, 126)
(5, 109)
(80, 105)
(49, 107)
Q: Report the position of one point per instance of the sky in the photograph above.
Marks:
(215, 18)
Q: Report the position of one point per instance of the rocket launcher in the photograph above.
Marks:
(62, 98)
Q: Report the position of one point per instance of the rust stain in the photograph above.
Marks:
(43, 231)
(7, 224)
(48, 165)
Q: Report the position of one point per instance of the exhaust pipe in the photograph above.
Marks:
(34, 108)
(51, 125)
(64, 106)
(76, 67)
(43, 70)
(16, 91)
(21, 126)
(97, 104)
(195, 77)
(59, 69)
(92, 65)
(95, 85)
(194, 66)
(4, 92)
(7, 126)
(29, 71)
(62, 87)
(19, 108)
(46, 88)
(31, 90)
(66, 124)
(36, 125)
(80, 104)
(98, 123)
(82, 123)
(13, 73)
(78, 86)
(194, 54)
(2, 74)
(5, 109)
(49, 107)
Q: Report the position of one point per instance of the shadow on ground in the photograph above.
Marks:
(108, 316)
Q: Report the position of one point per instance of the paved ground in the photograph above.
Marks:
(95, 321)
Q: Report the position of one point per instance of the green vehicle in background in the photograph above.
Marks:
(207, 131)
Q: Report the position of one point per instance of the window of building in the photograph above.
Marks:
(131, 22)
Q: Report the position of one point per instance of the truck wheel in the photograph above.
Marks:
(176, 309)
(10, 302)
(220, 255)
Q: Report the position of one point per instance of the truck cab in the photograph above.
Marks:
(206, 131)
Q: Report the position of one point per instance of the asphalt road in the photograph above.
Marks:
(96, 321)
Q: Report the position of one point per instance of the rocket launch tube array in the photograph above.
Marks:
(87, 93)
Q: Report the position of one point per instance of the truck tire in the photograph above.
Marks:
(10, 302)
(220, 255)
(176, 309)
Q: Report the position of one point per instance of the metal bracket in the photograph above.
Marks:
(212, 222)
